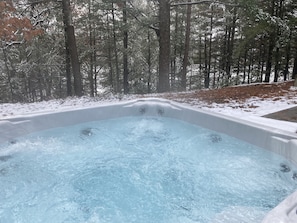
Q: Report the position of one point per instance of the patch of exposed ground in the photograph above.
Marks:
(239, 94)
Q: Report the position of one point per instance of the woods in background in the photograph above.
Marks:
(54, 49)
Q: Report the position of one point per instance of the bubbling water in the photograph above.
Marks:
(139, 169)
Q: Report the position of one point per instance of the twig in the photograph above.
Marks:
(202, 2)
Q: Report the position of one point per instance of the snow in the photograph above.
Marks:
(250, 110)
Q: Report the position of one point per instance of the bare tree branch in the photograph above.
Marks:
(202, 2)
(5, 44)
(156, 29)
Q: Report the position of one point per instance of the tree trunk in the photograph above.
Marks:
(200, 48)
(279, 14)
(244, 66)
(95, 64)
(262, 59)
(208, 51)
(230, 45)
(210, 46)
(77, 79)
(125, 54)
(70, 40)
(223, 61)
(68, 68)
(277, 65)
(109, 53)
(164, 45)
(175, 45)
(187, 47)
(8, 75)
(39, 76)
(286, 70)
(271, 44)
(92, 47)
(149, 62)
(115, 49)
(67, 56)
(206, 74)
(294, 75)
(214, 73)
(260, 62)
(250, 69)
(238, 70)
(269, 60)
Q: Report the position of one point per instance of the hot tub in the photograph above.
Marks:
(275, 140)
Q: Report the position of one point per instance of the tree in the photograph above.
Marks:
(187, 46)
(13, 28)
(164, 41)
(70, 43)
(125, 56)
(271, 21)
(294, 75)
(225, 42)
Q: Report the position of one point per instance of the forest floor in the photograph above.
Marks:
(238, 97)
(238, 93)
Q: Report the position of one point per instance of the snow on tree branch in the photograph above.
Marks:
(13, 28)
(203, 2)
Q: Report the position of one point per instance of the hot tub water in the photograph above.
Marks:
(140, 169)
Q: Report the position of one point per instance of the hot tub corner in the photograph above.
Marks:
(285, 212)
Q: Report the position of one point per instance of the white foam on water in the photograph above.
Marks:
(138, 170)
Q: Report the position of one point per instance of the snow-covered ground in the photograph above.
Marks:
(251, 110)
